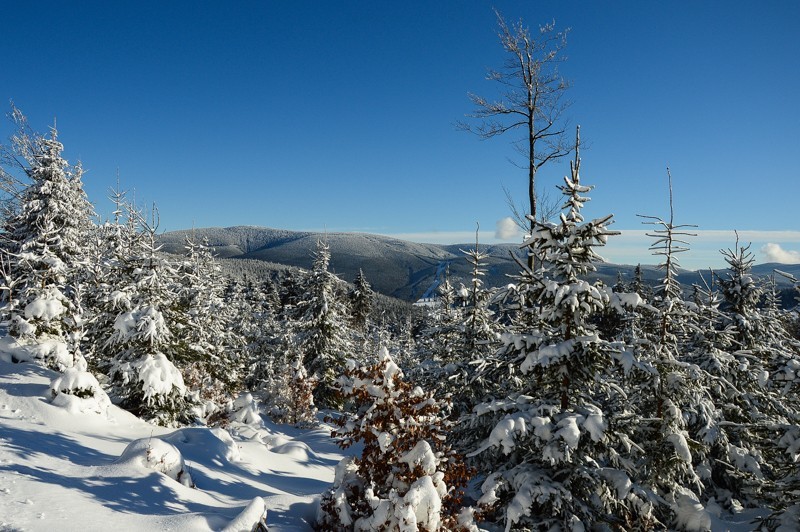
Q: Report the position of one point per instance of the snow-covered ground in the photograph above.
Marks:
(66, 471)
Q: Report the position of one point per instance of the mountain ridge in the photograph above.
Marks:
(400, 268)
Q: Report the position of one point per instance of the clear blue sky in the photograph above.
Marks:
(340, 115)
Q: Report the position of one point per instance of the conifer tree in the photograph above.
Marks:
(110, 278)
(479, 326)
(670, 396)
(323, 335)
(292, 400)
(142, 372)
(743, 352)
(561, 456)
(45, 250)
(253, 312)
(361, 300)
(478, 341)
(211, 362)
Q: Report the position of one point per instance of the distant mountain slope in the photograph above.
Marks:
(399, 268)
(394, 267)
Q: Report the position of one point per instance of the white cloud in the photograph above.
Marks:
(506, 229)
(775, 253)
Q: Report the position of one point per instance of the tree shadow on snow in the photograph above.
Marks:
(19, 377)
(288, 519)
(152, 494)
(26, 443)
(260, 484)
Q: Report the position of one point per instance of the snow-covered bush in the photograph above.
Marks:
(78, 391)
(406, 478)
(245, 410)
(158, 455)
(293, 401)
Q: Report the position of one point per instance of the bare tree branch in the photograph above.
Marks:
(536, 94)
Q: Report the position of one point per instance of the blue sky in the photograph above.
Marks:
(340, 116)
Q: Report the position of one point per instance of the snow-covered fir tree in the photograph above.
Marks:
(561, 456)
(142, 373)
(744, 354)
(668, 391)
(253, 310)
(361, 301)
(441, 334)
(479, 326)
(109, 278)
(478, 340)
(45, 251)
(323, 327)
(292, 396)
(212, 362)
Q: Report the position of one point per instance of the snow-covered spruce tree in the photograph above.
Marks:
(784, 456)
(479, 327)
(479, 340)
(747, 359)
(253, 320)
(441, 335)
(764, 343)
(142, 373)
(361, 300)
(672, 392)
(45, 244)
(406, 478)
(211, 364)
(323, 331)
(561, 456)
(109, 280)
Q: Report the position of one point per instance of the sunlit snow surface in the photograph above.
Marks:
(61, 470)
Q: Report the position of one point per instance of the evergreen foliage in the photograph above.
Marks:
(361, 300)
(323, 333)
(561, 456)
(406, 477)
(44, 248)
(147, 336)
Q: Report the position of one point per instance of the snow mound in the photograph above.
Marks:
(12, 352)
(79, 392)
(252, 516)
(158, 455)
(200, 443)
(50, 352)
(294, 449)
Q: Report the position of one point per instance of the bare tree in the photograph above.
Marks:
(533, 101)
(16, 158)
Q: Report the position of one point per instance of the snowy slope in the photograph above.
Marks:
(61, 471)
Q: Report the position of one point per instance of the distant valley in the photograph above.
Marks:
(398, 268)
